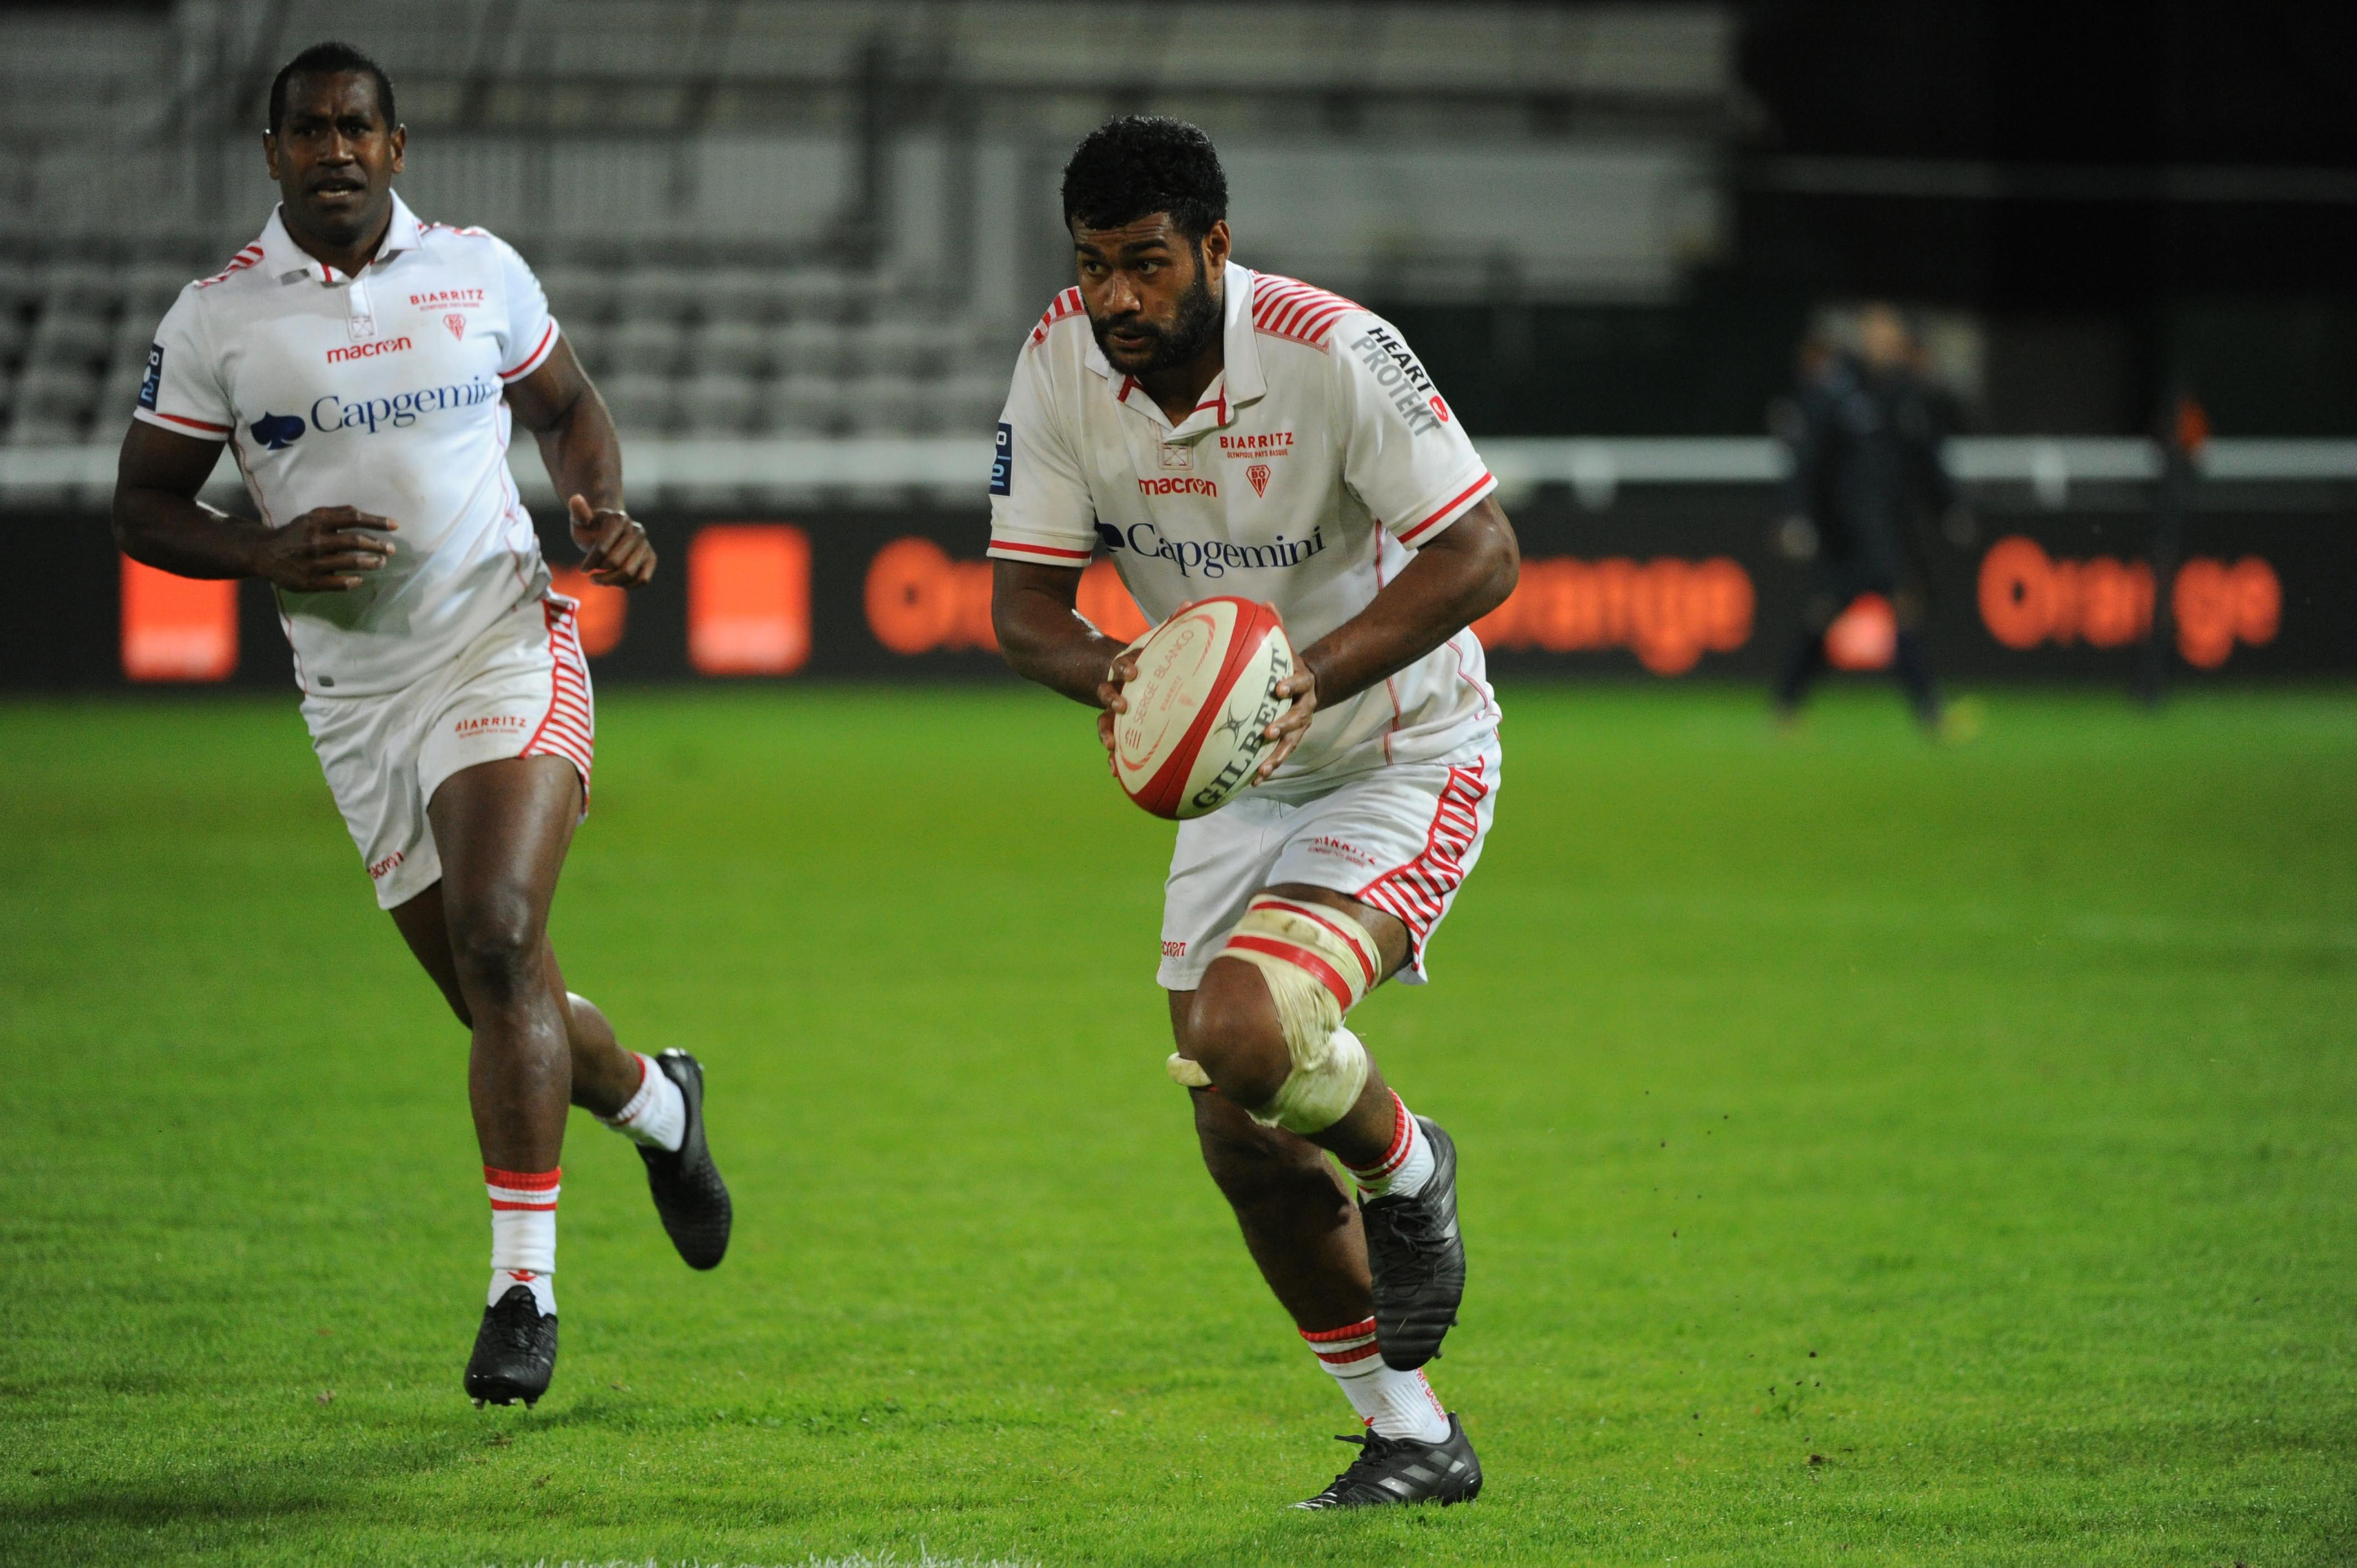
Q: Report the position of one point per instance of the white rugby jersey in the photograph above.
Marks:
(1305, 478)
(380, 391)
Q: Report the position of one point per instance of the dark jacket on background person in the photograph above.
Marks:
(1866, 469)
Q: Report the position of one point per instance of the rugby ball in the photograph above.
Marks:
(1205, 692)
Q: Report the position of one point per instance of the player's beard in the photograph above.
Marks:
(1194, 326)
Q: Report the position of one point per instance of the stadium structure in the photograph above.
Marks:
(797, 243)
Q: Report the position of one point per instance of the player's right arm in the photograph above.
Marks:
(1043, 636)
(184, 417)
(158, 520)
(1042, 533)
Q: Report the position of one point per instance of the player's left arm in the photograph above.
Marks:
(1459, 575)
(584, 456)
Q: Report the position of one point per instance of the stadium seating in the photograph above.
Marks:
(823, 215)
(737, 350)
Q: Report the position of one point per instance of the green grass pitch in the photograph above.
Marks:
(1871, 1153)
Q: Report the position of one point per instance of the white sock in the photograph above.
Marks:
(1393, 1403)
(656, 1116)
(524, 1234)
(542, 1288)
(1407, 1165)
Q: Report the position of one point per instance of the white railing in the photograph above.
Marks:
(1595, 468)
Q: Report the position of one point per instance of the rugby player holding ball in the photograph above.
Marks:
(1220, 431)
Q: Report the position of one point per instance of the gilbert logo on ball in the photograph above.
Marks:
(1204, 696)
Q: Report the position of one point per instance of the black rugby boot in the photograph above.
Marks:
(515, 1351)
(1418, 1260)
(689, 1193)
(1402, 1470)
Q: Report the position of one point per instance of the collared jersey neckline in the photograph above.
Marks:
(1239, 384)
(284, 257)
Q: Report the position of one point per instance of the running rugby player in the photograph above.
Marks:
(1218, 430)
(364, 369)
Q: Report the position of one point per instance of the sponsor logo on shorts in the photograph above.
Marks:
(378, 872)
(1328, 845)
(1174, 949)
(1403, 379)
(494, 724)
(1212, 558)
(155, 382)
(1002, 462)
(368, 350)
(1179, 487)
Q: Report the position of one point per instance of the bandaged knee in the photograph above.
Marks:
(1318, 962)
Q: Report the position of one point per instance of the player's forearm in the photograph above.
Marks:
(184, 537)
(1049, 641)
(1453, 581)
(583, 453)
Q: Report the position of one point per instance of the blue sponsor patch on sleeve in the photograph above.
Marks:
(1002, 462)
(155, 382)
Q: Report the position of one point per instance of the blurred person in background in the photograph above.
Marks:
(1864, 428)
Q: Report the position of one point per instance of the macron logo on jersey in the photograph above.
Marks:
(368, 350)
(1179, 487)
(400, 411)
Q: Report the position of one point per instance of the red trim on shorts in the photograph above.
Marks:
(566, 729)
(1418, 892)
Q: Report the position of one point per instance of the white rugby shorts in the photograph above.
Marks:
(1400, 838)
(521, 689)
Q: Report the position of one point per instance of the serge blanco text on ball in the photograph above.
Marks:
(1200, 707)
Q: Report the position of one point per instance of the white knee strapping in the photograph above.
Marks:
(1318, 962)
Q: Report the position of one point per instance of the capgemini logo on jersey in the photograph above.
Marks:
(1215, 557)
(400, 410)
(276, 431)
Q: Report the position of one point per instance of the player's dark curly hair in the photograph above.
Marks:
(329, 59)
(1142, 164)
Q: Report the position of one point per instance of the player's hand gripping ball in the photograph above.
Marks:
(1199, 708)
